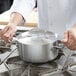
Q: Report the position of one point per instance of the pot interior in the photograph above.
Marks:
(30, 41)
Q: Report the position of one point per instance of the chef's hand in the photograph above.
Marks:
(8, 32)
(70, 38)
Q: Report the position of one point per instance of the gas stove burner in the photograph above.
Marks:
(4, 47)
(15, 60)
(15, 66)
(72, 65)
(73, 68)
(2, 43)
(56, 73)
(18, 67)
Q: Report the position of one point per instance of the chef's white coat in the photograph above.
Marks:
(54, 15)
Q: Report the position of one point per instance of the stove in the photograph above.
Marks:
(18, 67)
(12, 65)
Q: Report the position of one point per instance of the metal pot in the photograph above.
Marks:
(37, 46)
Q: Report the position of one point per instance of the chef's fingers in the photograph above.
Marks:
(0, 34)
(71, 40)
(72, 46)
(65, 37)
(4, 30)
(11, 37)
(8, 36)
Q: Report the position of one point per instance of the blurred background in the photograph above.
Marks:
(5, 5)
(5, 12)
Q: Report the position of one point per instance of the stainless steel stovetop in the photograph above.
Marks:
(12, 65)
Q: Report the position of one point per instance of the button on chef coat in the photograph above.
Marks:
(54, 15)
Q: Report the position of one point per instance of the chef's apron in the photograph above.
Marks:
(56, 15)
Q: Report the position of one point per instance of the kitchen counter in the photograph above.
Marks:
(31, 21)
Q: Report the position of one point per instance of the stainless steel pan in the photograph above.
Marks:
(37, 46)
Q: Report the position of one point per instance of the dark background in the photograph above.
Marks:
(5, 5)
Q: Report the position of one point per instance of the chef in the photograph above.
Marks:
(54, 15)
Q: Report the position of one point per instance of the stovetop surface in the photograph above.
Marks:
(18, 67)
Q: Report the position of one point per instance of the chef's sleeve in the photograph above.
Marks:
(24, 7)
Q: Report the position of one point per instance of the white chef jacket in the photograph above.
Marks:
(54, 15)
